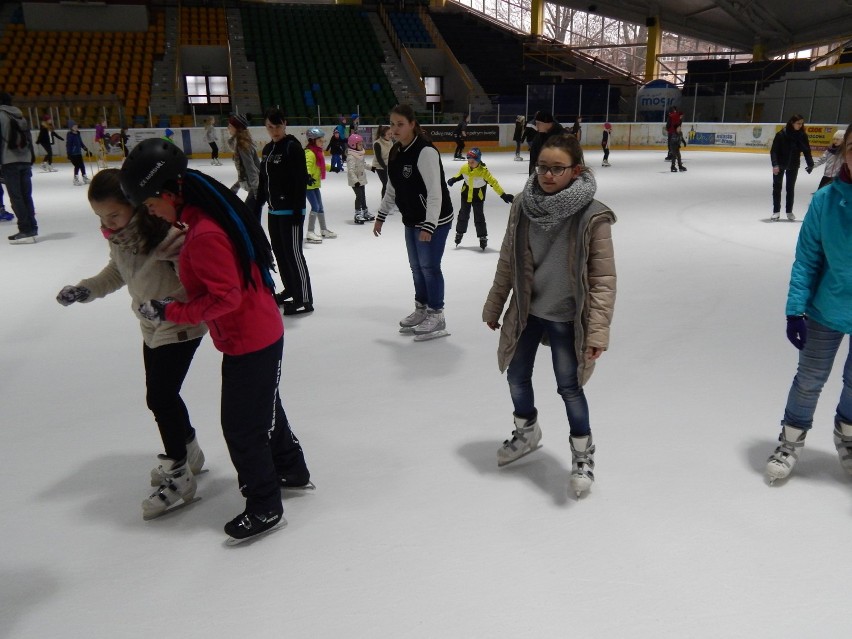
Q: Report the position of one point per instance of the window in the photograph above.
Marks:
(203, 89)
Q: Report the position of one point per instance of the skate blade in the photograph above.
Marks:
(171, 510)
(511, 461)
(426, 337)
(300, 489)
(230, 541)
(406, 330)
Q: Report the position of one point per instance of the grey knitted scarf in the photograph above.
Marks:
(548, 211)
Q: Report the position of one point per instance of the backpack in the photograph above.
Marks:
(20, 136)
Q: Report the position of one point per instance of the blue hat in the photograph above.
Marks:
(169, 133)
(354, 116)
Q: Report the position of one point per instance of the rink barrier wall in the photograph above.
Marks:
(709, 136)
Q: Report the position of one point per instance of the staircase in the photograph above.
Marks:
(164, 97)
(402, 83)
(245, 93)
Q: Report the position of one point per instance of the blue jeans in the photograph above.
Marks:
(425, 261)
(815, 362)
(315, 200)
(519, 374)
(19, 183)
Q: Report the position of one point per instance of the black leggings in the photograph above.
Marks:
(777, 181)
(79, 165)
(214, 151)
(48, 153)
(165, 369)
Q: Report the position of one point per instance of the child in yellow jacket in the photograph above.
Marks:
(476, 178)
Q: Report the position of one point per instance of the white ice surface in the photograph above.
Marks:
(413, 531)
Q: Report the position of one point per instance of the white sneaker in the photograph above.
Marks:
(524, 440)
(177, 488)
(843, 444)
(408, 323)
(780, 463)
(582, 464)
(194, 457)
(313, 238)
(328, 235)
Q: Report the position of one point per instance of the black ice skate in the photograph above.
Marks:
(252, 525)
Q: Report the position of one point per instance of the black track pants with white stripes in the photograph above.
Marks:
(286, 236)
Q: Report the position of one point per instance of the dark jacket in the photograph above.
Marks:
(47, 136)
(336, 146)
(283, 176)
(538, 141)
(787, 148)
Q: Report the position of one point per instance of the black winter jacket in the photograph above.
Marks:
(787, 148)
(283, 176)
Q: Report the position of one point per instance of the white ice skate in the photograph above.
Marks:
(328, 235)
(582, 464)
(843, 444)
(525, 440)
(407, 324)
(194, 457)
(77, 181)
(176, 490)
(780, 463)
(433, 327)
(518, 158)
(313, 238)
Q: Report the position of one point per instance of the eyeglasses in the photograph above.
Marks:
(555, 171)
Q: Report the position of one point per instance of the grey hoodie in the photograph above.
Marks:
(11, 156)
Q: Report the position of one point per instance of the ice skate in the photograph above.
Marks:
(248, 526)
(682, 167)
(674, 169)
(605, 163)
(790, 216)
(458, 238)
(433, 327)
(77, 181)
(843, 444)
(359, 217)
(52, 169)
(582, 464)
(44, 167)
(23, 238)
(780, 463)
(297, 481)
(368, 217)
(5, 216)
(86, 180)
(407, 324)
(175, 491)
(525, 440)
(313, 238)
(518, 158)
(483, 242)
(194, 457)
(776, 215)
(328, 235)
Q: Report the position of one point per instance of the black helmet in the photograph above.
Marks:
(151, 164)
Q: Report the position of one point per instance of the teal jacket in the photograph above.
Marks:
(821, 280)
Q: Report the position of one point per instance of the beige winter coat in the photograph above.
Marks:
(151, 276)
(591, 242)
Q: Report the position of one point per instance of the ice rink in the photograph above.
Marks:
(413, 531)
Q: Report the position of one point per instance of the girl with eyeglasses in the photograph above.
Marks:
(557, 262)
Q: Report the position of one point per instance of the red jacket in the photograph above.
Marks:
(241, 319)
(673, 121)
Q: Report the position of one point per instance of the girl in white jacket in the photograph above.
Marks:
(356, 172)
(832, 157)
(143, 256)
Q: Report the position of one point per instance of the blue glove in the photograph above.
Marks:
(508, 198)
(155, 310)
(70, 294)
(797, 330)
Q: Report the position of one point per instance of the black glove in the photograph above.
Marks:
(507, 198)
(155, 310)
(809, 169)
(70, 294)
(311, 180)
(453, 180)
(797, 330)
(357, 184)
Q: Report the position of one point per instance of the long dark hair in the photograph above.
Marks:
(568, 143)
(106, 185)
(794, 119)
(231, 213)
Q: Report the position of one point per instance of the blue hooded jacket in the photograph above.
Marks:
(821, 279)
